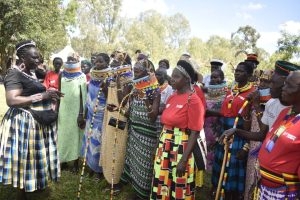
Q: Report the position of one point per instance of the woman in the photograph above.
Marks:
(114, 139)
(263, 95)
(70, 118)
(182, 119)
(95, 107)
(234, 103)
(28, 150)
(215, 95)
(142, 140)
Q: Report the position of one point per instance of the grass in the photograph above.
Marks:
(66, 188)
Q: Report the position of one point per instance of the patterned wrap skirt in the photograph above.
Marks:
(166, 185)
(141, 145)
(281, 193)
(236, 172)
(28, 151)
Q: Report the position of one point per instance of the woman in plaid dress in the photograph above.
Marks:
(28, 152)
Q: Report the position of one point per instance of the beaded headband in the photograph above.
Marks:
(183, 71)
(31, 43)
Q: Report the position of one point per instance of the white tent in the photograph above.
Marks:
(64, 53)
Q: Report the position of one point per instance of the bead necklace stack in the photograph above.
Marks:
(146, 85)
(87, 142)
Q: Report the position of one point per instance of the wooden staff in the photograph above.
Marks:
(226, 148)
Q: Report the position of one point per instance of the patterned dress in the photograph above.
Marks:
(95, 132)
(213, 125)
(28, 149)
(173, 142)
(141, 145)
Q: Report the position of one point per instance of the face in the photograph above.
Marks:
(57, 63)
(215, 78)
(139, 70)
(240, 74)
(163, 65)
(100, 63)
(265, 80)
(160, 76)
(178, 80)
(277, 82)
(291, 89)
(31, 58)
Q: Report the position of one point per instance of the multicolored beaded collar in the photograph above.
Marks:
(100, 75)
(147, 84)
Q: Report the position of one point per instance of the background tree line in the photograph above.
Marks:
(97, 26)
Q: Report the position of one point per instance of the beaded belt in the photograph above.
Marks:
(284, 179)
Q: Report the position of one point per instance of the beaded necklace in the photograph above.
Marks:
(31, 77)
(289, 120)
(87, 142)
(99, 75)
(146, 85)
(235, 91)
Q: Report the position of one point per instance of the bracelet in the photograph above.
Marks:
(150, 111)
(258, 113)
(119, 89)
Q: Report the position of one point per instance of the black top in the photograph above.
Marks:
(15, 79)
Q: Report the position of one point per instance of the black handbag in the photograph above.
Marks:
(45, 117)
(113, 122)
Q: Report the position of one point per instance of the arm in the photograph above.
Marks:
(153, 109)
(180, 170)
(212, 113)
(14, 98)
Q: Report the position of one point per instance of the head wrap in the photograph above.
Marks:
(186, 69)
(284, 68)
(216, 62)
(252, 57)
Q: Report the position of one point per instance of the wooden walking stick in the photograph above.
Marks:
(226, 148)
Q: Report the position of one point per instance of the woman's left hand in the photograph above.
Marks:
(180, 169)
(226, 135)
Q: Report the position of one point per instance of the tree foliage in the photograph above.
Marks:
(245, 38)
(42, 21)
(289, 45)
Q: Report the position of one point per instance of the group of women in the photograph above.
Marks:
(127, 123)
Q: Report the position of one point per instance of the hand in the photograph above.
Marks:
(80, 121)
(52, 94)
(227, 135)
(111, 107)
(180, 168)
(254, 98)
(241, 154)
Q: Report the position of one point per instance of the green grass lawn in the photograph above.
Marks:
(67, 186)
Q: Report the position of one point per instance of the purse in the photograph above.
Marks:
(45, 117)
(113, 122)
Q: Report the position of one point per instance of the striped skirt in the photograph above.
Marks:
(28, 151)
(166, 185)
(266, 193)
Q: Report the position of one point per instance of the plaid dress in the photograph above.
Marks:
(28, 152)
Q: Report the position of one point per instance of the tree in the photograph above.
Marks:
(43, 21)
(289, 45)
(245, 38)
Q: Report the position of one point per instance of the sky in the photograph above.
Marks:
(223, 17)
